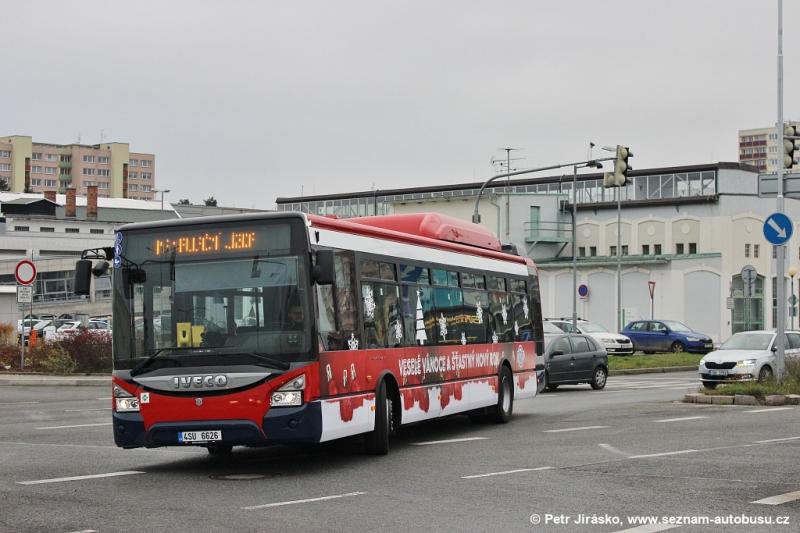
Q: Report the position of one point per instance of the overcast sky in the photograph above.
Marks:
(250, 100)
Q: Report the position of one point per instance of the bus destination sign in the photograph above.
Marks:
(205, 243)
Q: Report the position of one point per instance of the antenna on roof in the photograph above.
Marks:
(101, 136)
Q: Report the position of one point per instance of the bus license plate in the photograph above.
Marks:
(200, 436)
(718, 372)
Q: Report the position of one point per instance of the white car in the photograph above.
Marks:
(74, 327)
(746, 356)
(614, 343)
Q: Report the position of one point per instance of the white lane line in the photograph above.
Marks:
(308, 500)
(573, 429)
(662, 454)
(503, 473)
(77, 426)
(776, 440)
(769, 409)
(664, 420)
(84, 410)
(79, 478)
(17, 403)
(611, 449)
(103, 398)
(447, 441)
(649, 528)
(780, 498)
(85, 531)
(189, 449)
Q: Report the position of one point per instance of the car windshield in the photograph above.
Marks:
(676, 326)
(748, 341)
(549, 327)
(591, 327)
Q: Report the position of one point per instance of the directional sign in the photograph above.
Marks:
(25, 272)
(777, 229)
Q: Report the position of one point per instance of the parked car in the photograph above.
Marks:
(614, 343)
(571, 359)
(44, 329)
(746, 356)
(652, 336)
(74, 327)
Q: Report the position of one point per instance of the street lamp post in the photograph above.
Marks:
(792, 302)
(590, 163)
(162, 191)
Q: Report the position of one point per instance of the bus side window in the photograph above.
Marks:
(418, 315)
(327, 315)
(501, 315)
(346, 310)
(476, 316)
(383, 325)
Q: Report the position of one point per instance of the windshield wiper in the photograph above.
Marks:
(144, 364)
(269, 361)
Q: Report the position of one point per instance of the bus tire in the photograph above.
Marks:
(377, 442)
(501, 413)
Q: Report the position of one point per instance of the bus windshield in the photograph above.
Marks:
(207, 296)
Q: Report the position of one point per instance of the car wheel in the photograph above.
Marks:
(677, 347)
(710, 385)
(599, 378)
(550, 386)
(501, 413)
(765, 374)
(377, 442)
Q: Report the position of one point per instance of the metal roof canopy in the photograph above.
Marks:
(768, 185)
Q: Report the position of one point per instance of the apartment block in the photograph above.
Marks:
(29, 166)
(761, 148)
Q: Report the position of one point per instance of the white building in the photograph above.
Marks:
(690, 229)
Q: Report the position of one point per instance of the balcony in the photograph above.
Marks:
(550, 232)
(65, 164)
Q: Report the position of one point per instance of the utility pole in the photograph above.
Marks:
(781, 249)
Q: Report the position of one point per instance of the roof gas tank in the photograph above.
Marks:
(435, 226)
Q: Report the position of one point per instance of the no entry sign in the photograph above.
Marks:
(25, 272)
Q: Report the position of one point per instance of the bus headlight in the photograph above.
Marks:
(124, 401)
(291, 394)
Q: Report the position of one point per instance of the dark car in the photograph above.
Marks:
(573, 359)
(652, 336)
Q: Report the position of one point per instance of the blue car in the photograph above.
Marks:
(652, 336)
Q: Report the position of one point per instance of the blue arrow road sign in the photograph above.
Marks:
(777, 229)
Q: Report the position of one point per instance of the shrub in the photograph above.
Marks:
(9, 356)
(56, 360)
(90, 350)
(8, 334)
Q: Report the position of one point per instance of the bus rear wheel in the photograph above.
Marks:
(377, 442)
(501, 413)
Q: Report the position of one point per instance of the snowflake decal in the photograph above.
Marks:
(525, 308)
(516, 328)
(442, 326)
(352, 343)
(479, 311)
(463, 338)
(369, 302)
(398, 331)
(494, 337)
(504, 313)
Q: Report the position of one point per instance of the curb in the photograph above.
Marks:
(660, 370)
(742, 399)
(21, 380)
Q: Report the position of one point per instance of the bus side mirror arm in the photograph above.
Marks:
(324, 269)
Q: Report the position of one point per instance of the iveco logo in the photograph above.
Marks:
(199, 382)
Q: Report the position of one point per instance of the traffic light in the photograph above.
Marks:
(790, 145)
(619, 178)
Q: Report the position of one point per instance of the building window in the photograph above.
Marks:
(21, 228)
(36, 169)
(581, 251)
(755, 250)
(133, 187)
(774, 252)
(5, 153)
(49, 170)
(145, 188)
(103, 159)
(87, 171)
(45, 229)
(679, 248)
(5, 166)
(147, 175)
(102, 185)
(645, 249)
(657, 250)
(747, 250)
(51, 157)
(36, 182)
(692, 247)
(103, 172)
(624, 249)
(72, 230)
(36, 156)
(133, 163)
(145, 163)
(133, 174)
(88, 159)
(593, 251)
(49, 183)
(613, 251)
(96, 231)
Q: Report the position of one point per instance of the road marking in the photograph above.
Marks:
(447, 441)
(662, 454)
(109, 398)
(779, 499)
(769, 409)
(85, 531)
(508, 472)
(573, 429)
(776, 440)
(82, 410)
(680, 419)
(611, 449)
(308, 500)
(17, 403)
(79, 478)
(649, 528)
(188, 449)
(77, 426)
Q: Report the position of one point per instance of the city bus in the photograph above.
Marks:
(289, 327)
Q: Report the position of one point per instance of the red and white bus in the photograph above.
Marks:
(287, 327)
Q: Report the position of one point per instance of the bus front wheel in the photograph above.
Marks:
(501, 413)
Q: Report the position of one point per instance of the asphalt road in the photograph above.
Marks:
(627, 451)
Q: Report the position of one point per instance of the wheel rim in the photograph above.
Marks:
(600, 377)
(766, 373)
(677, 347)
(506, 396)
(389, 417)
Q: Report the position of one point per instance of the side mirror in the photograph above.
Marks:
(83, 277)
(774, 349)
(324, 269)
